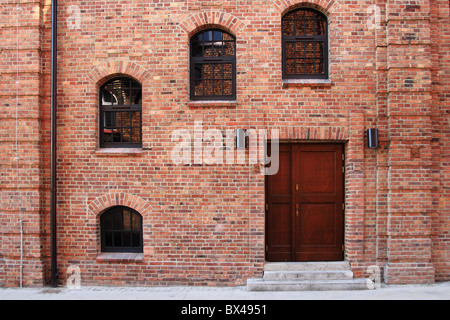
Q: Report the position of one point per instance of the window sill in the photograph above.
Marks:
(307, 82)
(119, 152)
(120, 257)
(213, 103)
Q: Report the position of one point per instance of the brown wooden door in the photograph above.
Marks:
(304, 202)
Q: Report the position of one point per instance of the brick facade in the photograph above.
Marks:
(203, 224)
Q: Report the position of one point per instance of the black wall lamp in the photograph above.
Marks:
(372, 138)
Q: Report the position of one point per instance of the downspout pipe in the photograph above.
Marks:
(53, 107)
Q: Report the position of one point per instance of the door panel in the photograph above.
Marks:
(317, 171)
(279, 218)
(280, 235)
(305, 219)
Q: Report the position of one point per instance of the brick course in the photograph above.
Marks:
(204, 224)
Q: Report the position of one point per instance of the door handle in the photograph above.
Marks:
(297, 209)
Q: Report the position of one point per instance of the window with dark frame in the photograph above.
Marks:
(213, 65)
(121, 113)
(305, 44)
(121, 230)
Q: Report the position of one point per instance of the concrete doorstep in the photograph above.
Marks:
(311, 276)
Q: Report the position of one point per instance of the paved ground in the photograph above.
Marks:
(439, 291)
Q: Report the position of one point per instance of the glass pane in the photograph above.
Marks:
(108, 239)
(218, 71)
(207, 36)
(227, 37)
(208, 70)
(197, 49)
(109, 119)
(107, 135)
(136, 222)
(127, 239)
(135, 135)
(228, 71)
(126, 220)
(198, 71)
(136, 119)
(299, 27)
(126, 135)
(125, 118)
(300, 14)
(290, 66)
(289, 16)
(320, 66)
(300, 68)
(321, 27)
(218, 35)
(116, 218)
(136, 240)
(136, 96)
(108, 98)
(209, 87)
(116, 135)
(122, 91)
(227, 87)
(208, 49)
(228, 49)
(310, 27)
(117, 239)
(309, 49)
(309, 66)
(218, 87)
(288, 27)
(198, 88)
(290, 50)
(107, 223)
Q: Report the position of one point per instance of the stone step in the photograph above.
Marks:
(309, 275)
(306, 285)
(306, 266)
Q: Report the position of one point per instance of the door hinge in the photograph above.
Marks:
(343, 206)
(267, 206)
(343, 247)
(343, 156)
(267, 248)
(343, 169)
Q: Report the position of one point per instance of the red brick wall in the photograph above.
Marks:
(204, 224)
(22, 141)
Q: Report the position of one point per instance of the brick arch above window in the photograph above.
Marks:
(324, 6)
(105, 71)
(104, 202)
(212, 19)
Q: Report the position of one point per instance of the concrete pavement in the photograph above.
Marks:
(438, 291)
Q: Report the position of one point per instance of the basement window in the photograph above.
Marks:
(121, 230)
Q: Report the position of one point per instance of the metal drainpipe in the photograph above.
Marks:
(53, 245)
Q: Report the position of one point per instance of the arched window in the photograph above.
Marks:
(121, 113)
(213, 65)
(121, 230)
(305, 44)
